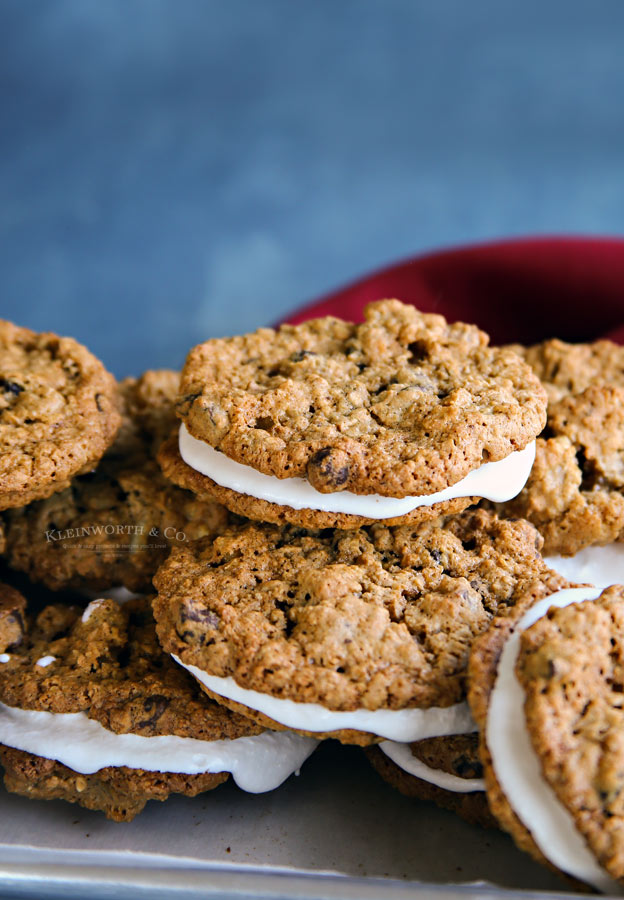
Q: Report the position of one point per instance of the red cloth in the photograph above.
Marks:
(519, 290)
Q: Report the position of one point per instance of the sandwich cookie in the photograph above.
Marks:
(332, 424)
(575, 493)
(58, 413)
(115, 525)
(93, 712)
(361, 635)
(546, 691)
(444, 770)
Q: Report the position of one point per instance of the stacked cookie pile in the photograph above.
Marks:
(346, 603)
(336, 519)
(92, 710)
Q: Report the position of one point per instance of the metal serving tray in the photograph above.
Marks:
(335, 831)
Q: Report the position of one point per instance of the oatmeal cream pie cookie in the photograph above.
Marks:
(359, 635)
(115, 525)
(57, 413)
(333, 424)
(444, 770)
(575, 493)
(547, 692)
(92, 711)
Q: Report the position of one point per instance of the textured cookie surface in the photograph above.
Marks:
(568, 369)
(58, 413)
(575, 493)
(458, 755)
(114, 526)
(404, 404)
(379, 618)
(112, 668)
(571, 665)
(12, 613)
(119, 792)
(205, 488)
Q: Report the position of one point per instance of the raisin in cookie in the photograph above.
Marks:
(115, 525)
(333, 424)
(243, 504)
(93, 712)
(359, 635)
(58, 413)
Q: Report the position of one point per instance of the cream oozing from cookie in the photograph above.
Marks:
(600, 566)
(395, 724)
(497, 481)
(517, 767)
(120, 595)
(402, 755)
(257, 763)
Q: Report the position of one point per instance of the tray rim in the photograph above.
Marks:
(191, 883)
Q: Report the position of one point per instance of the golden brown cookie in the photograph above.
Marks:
(58, 413)
(568, 369)
(456, 755)
(118, 791)
(575, 493)
(571, 666)
(402, 405)
(105, 663)
(375, 619)
(568, 665)
(204, 488)
(115, 525)
(108, 663)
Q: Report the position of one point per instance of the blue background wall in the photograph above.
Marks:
(175, 169)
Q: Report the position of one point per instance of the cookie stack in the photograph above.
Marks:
(546, 685)
(346, 604)
(343, 524)
(91, 708)
(93, 712)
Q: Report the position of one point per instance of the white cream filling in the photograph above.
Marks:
(402, 755)
(90, 609)
(517, 766)
(600, 566)
(257, 763)
(45, 661)
(497, 481)
(401, 725)
(119, 594)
